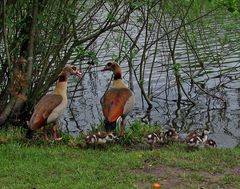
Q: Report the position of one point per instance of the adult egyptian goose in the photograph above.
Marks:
(118, 101)
(51, 106)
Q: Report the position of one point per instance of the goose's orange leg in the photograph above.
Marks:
(55, 133)
(45, 130)
(122, 127)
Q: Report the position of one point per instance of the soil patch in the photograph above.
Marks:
(175, 177)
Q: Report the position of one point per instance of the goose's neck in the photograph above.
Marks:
(61, 87)
(117, 73)
(117, 80)
(118, 83)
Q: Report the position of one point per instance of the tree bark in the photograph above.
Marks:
(15, 102)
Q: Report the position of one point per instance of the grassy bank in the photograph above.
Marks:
(39, 165)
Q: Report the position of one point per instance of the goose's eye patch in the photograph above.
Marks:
(109, 64)
(74, 68)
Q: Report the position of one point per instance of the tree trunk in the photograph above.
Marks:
(18, 87)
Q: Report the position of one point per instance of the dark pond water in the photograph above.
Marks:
(219, 78)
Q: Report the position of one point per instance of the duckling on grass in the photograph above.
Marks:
(153, 139)
(100, 138)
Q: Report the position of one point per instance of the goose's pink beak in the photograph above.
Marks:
(78, 74)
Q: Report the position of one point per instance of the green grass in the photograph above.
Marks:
(37, 164)
(60, 166)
